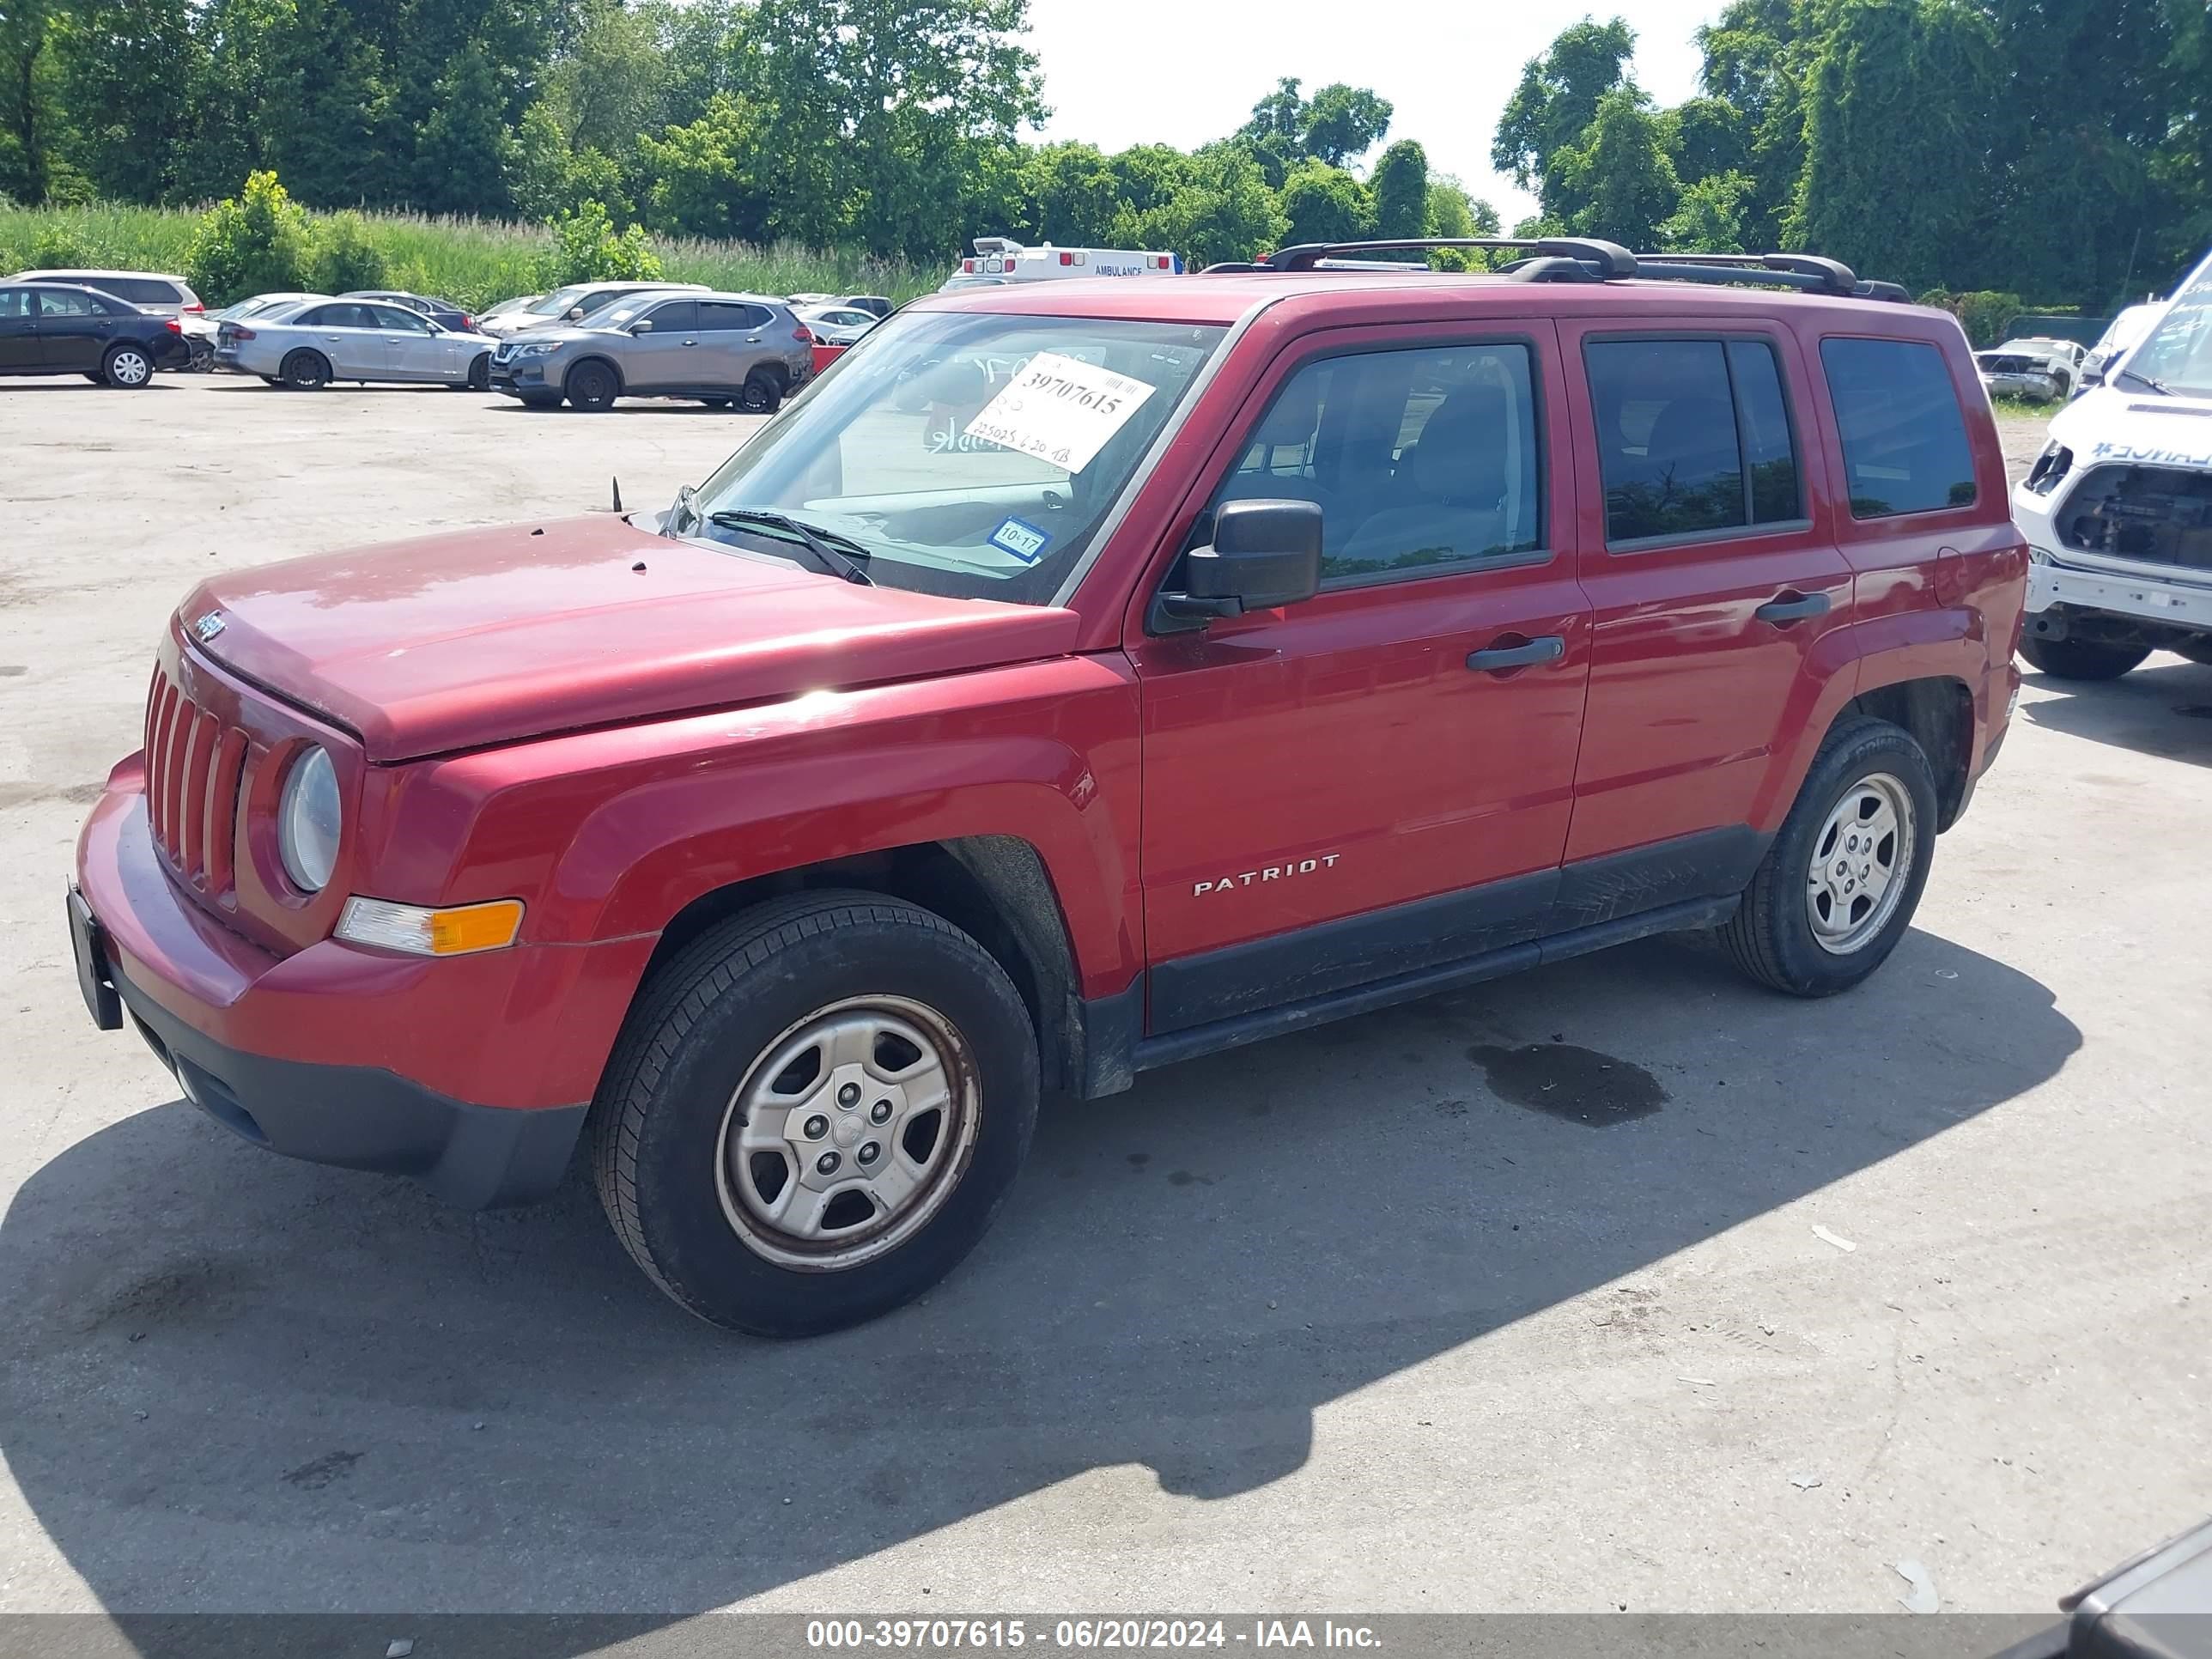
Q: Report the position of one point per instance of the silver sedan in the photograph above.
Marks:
(840, 325)
(308, 346)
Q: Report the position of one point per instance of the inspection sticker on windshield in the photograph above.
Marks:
(1022, 539)
(1060, 411)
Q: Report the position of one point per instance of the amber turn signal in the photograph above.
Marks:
(458, 930)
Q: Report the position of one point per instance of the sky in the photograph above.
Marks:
(1182, 72)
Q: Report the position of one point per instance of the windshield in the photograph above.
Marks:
(963, 452)
(557, 302)
(2177, 353)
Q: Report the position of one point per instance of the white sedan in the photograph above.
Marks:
(307, 346)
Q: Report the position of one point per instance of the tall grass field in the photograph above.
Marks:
(472, 262)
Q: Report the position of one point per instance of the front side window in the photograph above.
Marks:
(399, 319)
(1905, 440)
(1418, 458)
(677, 316)
(1693, 437)
(967, 454)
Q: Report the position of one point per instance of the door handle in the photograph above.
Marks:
(1792, 607)
(752, 340)
(1498, 658)
(690, 342)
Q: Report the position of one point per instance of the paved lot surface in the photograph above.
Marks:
(1508, 1300)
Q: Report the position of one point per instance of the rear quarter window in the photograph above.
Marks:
(1905, 449)
(139, 291)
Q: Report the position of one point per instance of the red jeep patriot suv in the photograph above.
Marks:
(1076, 679)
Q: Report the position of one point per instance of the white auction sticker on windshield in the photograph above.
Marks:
(1060, 411)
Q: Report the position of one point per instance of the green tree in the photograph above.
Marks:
(27, 28)
(465, 153)
(1074, 197)
(1325, 204)
(343, 256)
(1344, 123)
(1617, 182)
(1706, 138)
(1710, 217)
(127, 70)
(1558, 98)
(586, 249)
(256, 242)
(1221, 209)
(1400, 189)
(709, 179)
(1899, 180)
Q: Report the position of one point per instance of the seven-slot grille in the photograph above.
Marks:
(193, 764)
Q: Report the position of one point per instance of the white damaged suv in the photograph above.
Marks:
(2117, 511)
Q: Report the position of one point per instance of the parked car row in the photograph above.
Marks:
(587, 344)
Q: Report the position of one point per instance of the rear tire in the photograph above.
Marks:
(2081, 659)
(592, 387)
(1838, 889)
(762, 392)
(759, 1215)
(479, 374)
(127, 368)
(305, 371)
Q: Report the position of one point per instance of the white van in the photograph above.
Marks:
(2117, 511)
(998, 261)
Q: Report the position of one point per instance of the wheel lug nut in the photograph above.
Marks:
(816, 1127)
(880, 1112)
(827, 1164)
(849, 1095)
(869, 1151)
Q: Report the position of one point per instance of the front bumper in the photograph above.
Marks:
(2175, 604)
(475, 1081)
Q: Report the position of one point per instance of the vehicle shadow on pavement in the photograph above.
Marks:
(232, 1382)
(2163, 708)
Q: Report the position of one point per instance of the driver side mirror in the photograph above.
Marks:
(1265, 554)
(574, 314)
(642, 325)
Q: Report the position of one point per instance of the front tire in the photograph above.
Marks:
(127, 368)
(305, 371)
(814, 1112)
(2081, 659)
(1838, 889)
(592, 386)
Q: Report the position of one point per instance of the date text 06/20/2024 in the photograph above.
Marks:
(1084, 1635)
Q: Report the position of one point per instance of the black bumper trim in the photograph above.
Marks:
(359, 1117)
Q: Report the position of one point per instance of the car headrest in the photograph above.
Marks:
(1461, 455)
(1290, 419)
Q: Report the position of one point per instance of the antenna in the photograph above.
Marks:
(617, 482)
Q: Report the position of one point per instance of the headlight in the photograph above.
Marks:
(535, 351)
(308, 818)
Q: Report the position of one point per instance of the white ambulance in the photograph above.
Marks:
(998, 261)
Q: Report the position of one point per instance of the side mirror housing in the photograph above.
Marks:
(642, 325)
(1266, 553)
(575, 314)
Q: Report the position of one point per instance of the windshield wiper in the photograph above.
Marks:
(815, 541)
(2140, 379)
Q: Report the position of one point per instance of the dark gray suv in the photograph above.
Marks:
(722, 349)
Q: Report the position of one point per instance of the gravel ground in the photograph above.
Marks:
(1356, 1319)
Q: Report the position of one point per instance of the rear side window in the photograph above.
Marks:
(1693, 437)
(1905, 436)
(722, 316)
(139, 291)
(1418, 458)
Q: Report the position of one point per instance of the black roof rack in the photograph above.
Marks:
(1587, 259)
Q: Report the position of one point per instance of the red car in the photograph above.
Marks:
(1074, 682)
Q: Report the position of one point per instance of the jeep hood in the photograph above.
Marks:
(486, 637)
